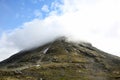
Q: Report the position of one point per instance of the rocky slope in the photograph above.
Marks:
(61, 60)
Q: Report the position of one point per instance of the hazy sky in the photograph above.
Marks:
(28, 23)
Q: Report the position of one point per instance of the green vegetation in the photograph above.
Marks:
(63, 61)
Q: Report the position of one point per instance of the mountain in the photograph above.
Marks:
(61, 60)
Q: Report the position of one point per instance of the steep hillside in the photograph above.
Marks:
(61, 60)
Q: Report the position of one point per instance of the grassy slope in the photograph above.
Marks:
(64, 61)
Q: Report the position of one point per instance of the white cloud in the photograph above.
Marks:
(35, 33)
(45, 8)
(94, 21)
(6, 47)
(37, 14)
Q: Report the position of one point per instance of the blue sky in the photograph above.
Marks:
(26, 24)
(14, 13)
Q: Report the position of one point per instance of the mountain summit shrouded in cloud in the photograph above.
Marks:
(61, 59)
(93, 21)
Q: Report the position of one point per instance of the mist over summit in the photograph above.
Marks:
(93, 21)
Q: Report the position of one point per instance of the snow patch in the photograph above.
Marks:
(45, 50)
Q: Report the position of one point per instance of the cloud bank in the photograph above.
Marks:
(95, 21)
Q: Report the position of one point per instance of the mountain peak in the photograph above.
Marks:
(62, 59)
